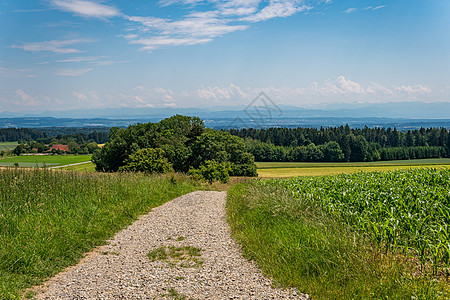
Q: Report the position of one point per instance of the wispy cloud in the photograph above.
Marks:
(374, 8)
(72, 72)
(161, 41)
(27, 99)
(80, 59)
(53, 46)
(164, 3)
(199, 27)
(86, 8)
(29, 73)
(93, 60)
(30, 10)
(350, 10)
(277, 9)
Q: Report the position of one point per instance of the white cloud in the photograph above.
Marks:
(80, 59)
(199, 24)
(183, 2)
(239, 7)
(86, 8)
(80, 96)
(277, 9)
(378, 88)
(90, 99)
(350, 10)
(149, 97)
(27, 99)
(161, 41)
(341, 89)
(217, 93)
(348, 86)
(414, 89)
(374, 8)
(53, 46)
(202, 26)
(29, 73)
(21, 100)
(72, 72)
(378, 7)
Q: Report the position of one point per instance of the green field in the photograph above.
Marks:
(294, 169)
(49, 219)
(8, 146)
(378, 235)
(86, 167)
(41, 160)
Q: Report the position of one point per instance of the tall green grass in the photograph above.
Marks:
(49, 219)
(301, 241)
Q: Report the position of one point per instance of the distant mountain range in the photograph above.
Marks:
(401, 115)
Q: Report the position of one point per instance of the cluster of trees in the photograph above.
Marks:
(344, 144)
(178, 143)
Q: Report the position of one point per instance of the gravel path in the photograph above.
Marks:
(122, 269)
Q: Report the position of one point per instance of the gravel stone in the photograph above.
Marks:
(122, 269)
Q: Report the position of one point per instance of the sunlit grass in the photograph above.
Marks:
(85, 167)
(360, 236)
(48, 219)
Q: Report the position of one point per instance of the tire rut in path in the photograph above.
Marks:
(122, 269)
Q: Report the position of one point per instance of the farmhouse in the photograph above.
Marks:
(57, 147)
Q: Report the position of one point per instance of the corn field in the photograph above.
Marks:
(405, 210)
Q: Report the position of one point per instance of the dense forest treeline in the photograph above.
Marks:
(344, 143)
(54, 135)
(21, 134)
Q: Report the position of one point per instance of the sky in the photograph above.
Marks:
(87, 54)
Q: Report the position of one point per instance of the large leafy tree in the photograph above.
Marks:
(332, 152)
(174, 135)
(224, 148)
(184, 142)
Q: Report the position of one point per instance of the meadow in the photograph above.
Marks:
(49, 219)
(44, 160)
(8, 146)
(294, 169)
(374, 235)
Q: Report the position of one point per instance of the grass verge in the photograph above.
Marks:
(299, 245)
(49, 219)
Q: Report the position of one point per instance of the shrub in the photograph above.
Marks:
(147, 160)
(211, 171)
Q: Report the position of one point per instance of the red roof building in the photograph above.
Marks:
(60, 147)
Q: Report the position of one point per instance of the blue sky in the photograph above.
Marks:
(81, 54)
